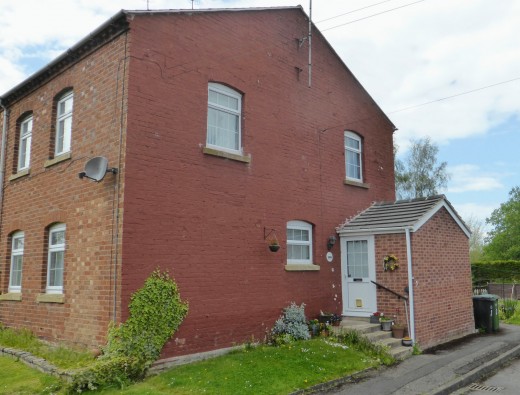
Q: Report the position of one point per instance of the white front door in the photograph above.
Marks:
(357, 271)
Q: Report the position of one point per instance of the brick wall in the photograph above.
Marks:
(442, 286)
(202, 217)
(55, 194)
(397, 280)
(442, 273)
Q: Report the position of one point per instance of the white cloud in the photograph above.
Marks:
(475, 210)
(469, 177)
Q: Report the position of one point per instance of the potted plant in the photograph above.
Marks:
(386, 323)
(314, 327)
(407, 341)
(274, 245)
(335, 320)
(398, 330)
(325, 318)
(374, 318)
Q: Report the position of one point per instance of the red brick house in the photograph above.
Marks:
(218, 144)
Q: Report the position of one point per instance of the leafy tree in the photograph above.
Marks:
(504, 239)
(420, 175)
(476, 240)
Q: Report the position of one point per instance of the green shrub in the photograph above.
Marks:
(156, 311)
(507, 308)
(116, 371)
(292, 325)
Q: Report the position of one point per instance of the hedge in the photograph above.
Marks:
(501, 271)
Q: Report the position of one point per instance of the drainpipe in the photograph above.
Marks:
(2, 154)
(410, 284)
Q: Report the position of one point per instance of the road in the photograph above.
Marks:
(505, 381)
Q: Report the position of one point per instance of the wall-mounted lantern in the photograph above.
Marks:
(330, 242)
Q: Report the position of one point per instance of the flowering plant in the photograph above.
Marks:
(377, 314)
(391, 262)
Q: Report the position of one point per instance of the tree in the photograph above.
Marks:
(420, 175)
(504, 239)
(476, 240)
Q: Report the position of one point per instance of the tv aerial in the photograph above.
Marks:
(96, 169)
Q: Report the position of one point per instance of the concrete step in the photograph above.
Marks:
(374, 333)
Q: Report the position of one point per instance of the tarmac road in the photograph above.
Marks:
(505, 381)
(450, 368)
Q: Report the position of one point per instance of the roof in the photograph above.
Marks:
(119, 24)
(396, 217)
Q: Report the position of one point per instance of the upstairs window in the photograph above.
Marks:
(224, 114)
(55, 259)
(299, 242)
(63, 124)
(24, 146)
(353, 157)
(15, 275)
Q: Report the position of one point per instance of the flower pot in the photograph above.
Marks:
(407, 342)
(398, 332)
(324, 319)
(274, 247)
(374, 319)
(386, 325)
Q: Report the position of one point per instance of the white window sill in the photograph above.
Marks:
(21, 173)
(14, 296)
(301, 267)
(227, 155)
(57, 159)
(356, 183)
(50, 298)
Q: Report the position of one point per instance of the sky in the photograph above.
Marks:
(444, 69)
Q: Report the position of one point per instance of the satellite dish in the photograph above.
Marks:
(96, 168)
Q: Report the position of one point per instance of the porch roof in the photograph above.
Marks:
(397, 216)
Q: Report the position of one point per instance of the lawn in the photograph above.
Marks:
(262, 370)
(16, 379)
(259, 369)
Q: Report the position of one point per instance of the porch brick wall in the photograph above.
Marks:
(55, 194)
(442, 272)
(202, 217)
(387, 303)
(442, 286)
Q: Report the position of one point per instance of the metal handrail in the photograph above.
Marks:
(399, 296)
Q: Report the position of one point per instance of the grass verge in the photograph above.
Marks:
(18, 379)
(62, 357)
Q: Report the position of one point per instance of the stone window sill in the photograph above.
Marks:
(356, 184)
(227, 155)
(21, 173)
(13, 296)
(50, 298)
(301, 267)
(57, 159)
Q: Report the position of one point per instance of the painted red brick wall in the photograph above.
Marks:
(56, 194)
(203, 217)
(442, 290)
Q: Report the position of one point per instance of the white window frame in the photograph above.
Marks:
(15, 253)
(300, 225)
(226, 110)
(24, 144)
(55, 248)
(358, 154)
(64, 124)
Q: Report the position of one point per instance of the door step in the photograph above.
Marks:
(374, 333)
